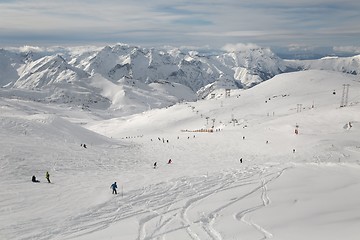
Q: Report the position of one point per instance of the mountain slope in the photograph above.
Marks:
(206, 192)
(350, 65)
(47, 71)
(9, 63)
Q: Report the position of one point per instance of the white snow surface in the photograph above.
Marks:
(206, 193)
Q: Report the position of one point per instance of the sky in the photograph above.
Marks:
(196, 23)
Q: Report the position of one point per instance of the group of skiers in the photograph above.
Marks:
(47, 176)
(169, 161)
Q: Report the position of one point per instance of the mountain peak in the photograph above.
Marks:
(48, 70)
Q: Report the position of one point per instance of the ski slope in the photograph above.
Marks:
(206, 192)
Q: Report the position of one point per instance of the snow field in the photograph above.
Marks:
(206, 193)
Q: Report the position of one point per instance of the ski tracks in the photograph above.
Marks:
(164, 209)
(265, 200)
(199, 190)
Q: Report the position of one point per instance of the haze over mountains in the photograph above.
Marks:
(108, 77)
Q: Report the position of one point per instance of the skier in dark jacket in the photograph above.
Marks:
(33, 179)
(114, 187)
(47, 176)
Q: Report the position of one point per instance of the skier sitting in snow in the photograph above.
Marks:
(33, 179)
(114, 187)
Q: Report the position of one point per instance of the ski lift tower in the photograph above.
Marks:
(345, 95)
(213, 121)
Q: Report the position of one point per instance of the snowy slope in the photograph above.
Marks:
(46, 71)
(349, 65)
(205, 193)
(129, 96)
(253, 66)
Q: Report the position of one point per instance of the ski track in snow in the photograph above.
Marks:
(241, 216)
(164, 203)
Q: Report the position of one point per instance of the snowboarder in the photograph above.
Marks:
(47, 176)
(33, 179)
(114, 187)
(155, 164)
(169, 161)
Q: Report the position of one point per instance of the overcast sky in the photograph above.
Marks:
(197, 23)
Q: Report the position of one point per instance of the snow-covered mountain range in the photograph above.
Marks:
(110, 76)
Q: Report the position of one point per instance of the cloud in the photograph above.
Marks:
(30, 49)
(232, 33)
(347, 49)
(238, 47)
(299, 47)
(181, 22)
(192, 21)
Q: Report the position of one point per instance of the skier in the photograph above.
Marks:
(33, 179)
(169, 161)
(240, 160)
(114, 187)
(47, 176)
(155, 164)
